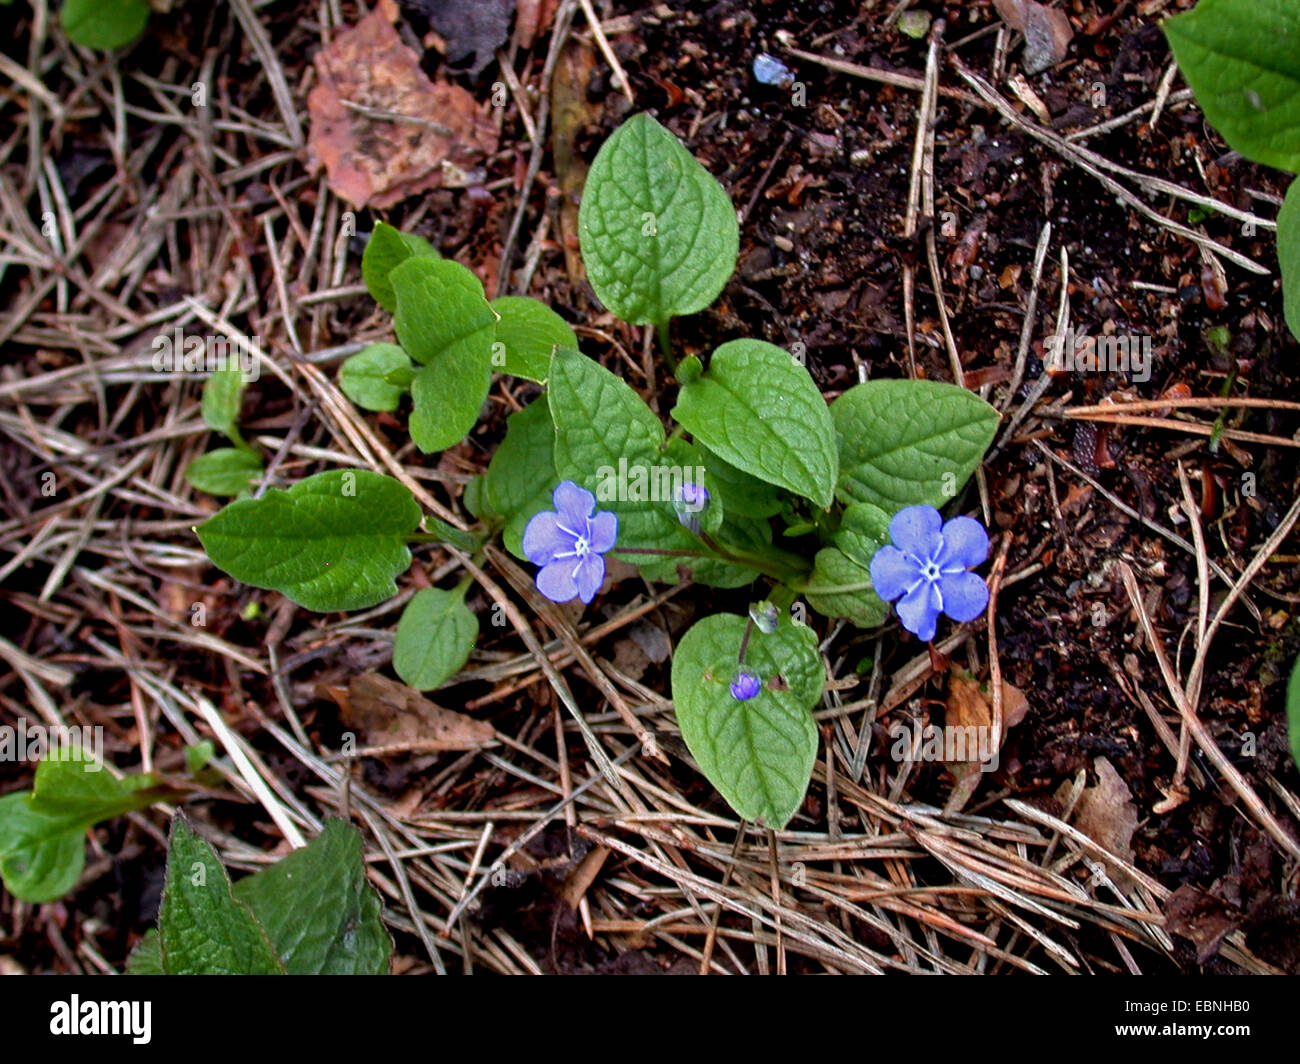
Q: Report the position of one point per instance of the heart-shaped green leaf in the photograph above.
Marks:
(757, 408)
(334, 541)
(909, 442)
(759, 753)
(658, 234)
(203, 930)
(446, 398)
(527, 335)
(434, 637)
(387, 249)
(367, 377)
(1242, 60)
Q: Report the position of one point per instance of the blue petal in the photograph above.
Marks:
(604, 531)
(555, 581)
(965, 544)
(543, 539)
(919, 609)
(590, 574)
(915, 529)
(574, 505)
(892, 572)
(964, 595)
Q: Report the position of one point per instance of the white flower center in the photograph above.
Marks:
(581, 546)
(930, 571)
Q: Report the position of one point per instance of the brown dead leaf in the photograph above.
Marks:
(532, 19)
(971, 708)
(393, 718)
(381, 129)
(1107, 815)
(1201, 917)
(1047, 32)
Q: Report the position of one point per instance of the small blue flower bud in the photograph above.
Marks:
(745, 685)
(765, 616)
(689, 501)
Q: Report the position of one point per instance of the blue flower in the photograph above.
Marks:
(568, 543)
(745, 685)
(926, 566)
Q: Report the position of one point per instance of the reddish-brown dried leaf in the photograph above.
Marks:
(438, 140)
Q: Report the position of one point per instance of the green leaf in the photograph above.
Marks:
(1293, 711)
(42, 831)
(387, 249)
(521, 477)
(442, 312)
(759, 753)
(757, 408)
(1242, 61)
(316, 907)
(146, 958)
(434, 637)
(103, 23)
(363, 377)
(444, 322)
(840, 585)
(203, 929)
(741, 494)
(334, 541)
(1288, 255)
(223, 393)
(225, 471)
(658, 234)
(446, 398)
(527, 334)
(909, 442)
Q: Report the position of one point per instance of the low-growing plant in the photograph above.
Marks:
(43, 831)
(310, 913)
(1242, 61)
(759, 484)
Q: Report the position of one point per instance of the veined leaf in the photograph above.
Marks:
(758, 753)
(658, 233)
(334, 541)
(759, 410)
(387, 249)
(527, 334)
(908, 442)
(226, 471)
(1242, 60)
(365, 377)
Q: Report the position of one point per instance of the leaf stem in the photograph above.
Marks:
(666, 344)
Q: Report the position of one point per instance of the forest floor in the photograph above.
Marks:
(1144, 610)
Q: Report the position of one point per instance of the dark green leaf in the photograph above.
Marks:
(319, 912)
(758, 409)
(203, 929)
(658, 234)
(334, 541)
(103, 23)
